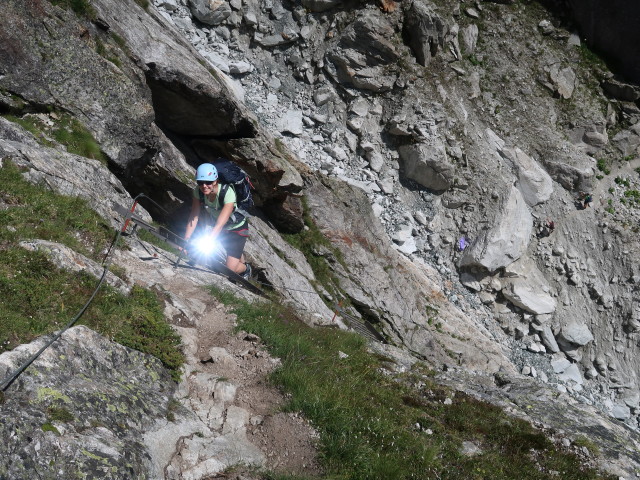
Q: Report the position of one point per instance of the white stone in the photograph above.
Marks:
(240, 67)
(507, 240)
(376, 161)
(572, 373)
(621, 412)
(560, 365)
(576, 333)
(291, 122)
(359, 107)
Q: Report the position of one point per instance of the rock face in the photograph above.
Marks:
(606, 30)
(363, 57)
(396, 292)
(425, 29)
(506, 241)
(143, 79)
(43, 165)
(96, 427)
(425, 142)
(427, 165)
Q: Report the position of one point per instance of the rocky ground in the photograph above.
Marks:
(226, 382)
(224, 416)
(497, 91)
(403, 140)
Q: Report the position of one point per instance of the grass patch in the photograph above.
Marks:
(65, 130)
(60, 414)
(622, 181)
(633, 195)
(35, 212)
(73, 135)
(37, 298)
(603, 166)
(82, 8)
(48, 427)
(583, 441)
(473, 60)
(376, 426)
(316, 248)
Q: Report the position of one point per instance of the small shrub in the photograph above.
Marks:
(622, 181)
(633, 195)
(48, 427)
(473, 60)
(603, 166)
(80, 7)
(60, 414)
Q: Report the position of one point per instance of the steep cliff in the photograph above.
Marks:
(432, 142)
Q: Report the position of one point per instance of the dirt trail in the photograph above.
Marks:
(225, 382)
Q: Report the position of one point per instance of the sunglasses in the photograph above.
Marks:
(205, 182)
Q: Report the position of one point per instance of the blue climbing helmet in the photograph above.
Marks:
(206, 172)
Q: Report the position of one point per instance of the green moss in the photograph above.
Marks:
(80, 7)
(50, 394)
(94, 456)
(583, 441)
(603, 166)
(66, 130)
(48, 427)
(60, 414)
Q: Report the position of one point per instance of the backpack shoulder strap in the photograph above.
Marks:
(224, 187)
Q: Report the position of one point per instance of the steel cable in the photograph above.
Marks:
(106, 262)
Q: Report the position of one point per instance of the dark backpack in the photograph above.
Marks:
(231, 175)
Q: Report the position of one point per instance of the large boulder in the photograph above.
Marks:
(507, 240)
(424, 29)
(211, 12)
(572, 169)
(534, 182)
(85, 402)
(526, 287)
(427, 165)
(364, 56)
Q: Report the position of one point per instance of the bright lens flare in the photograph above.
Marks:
(205, 245)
